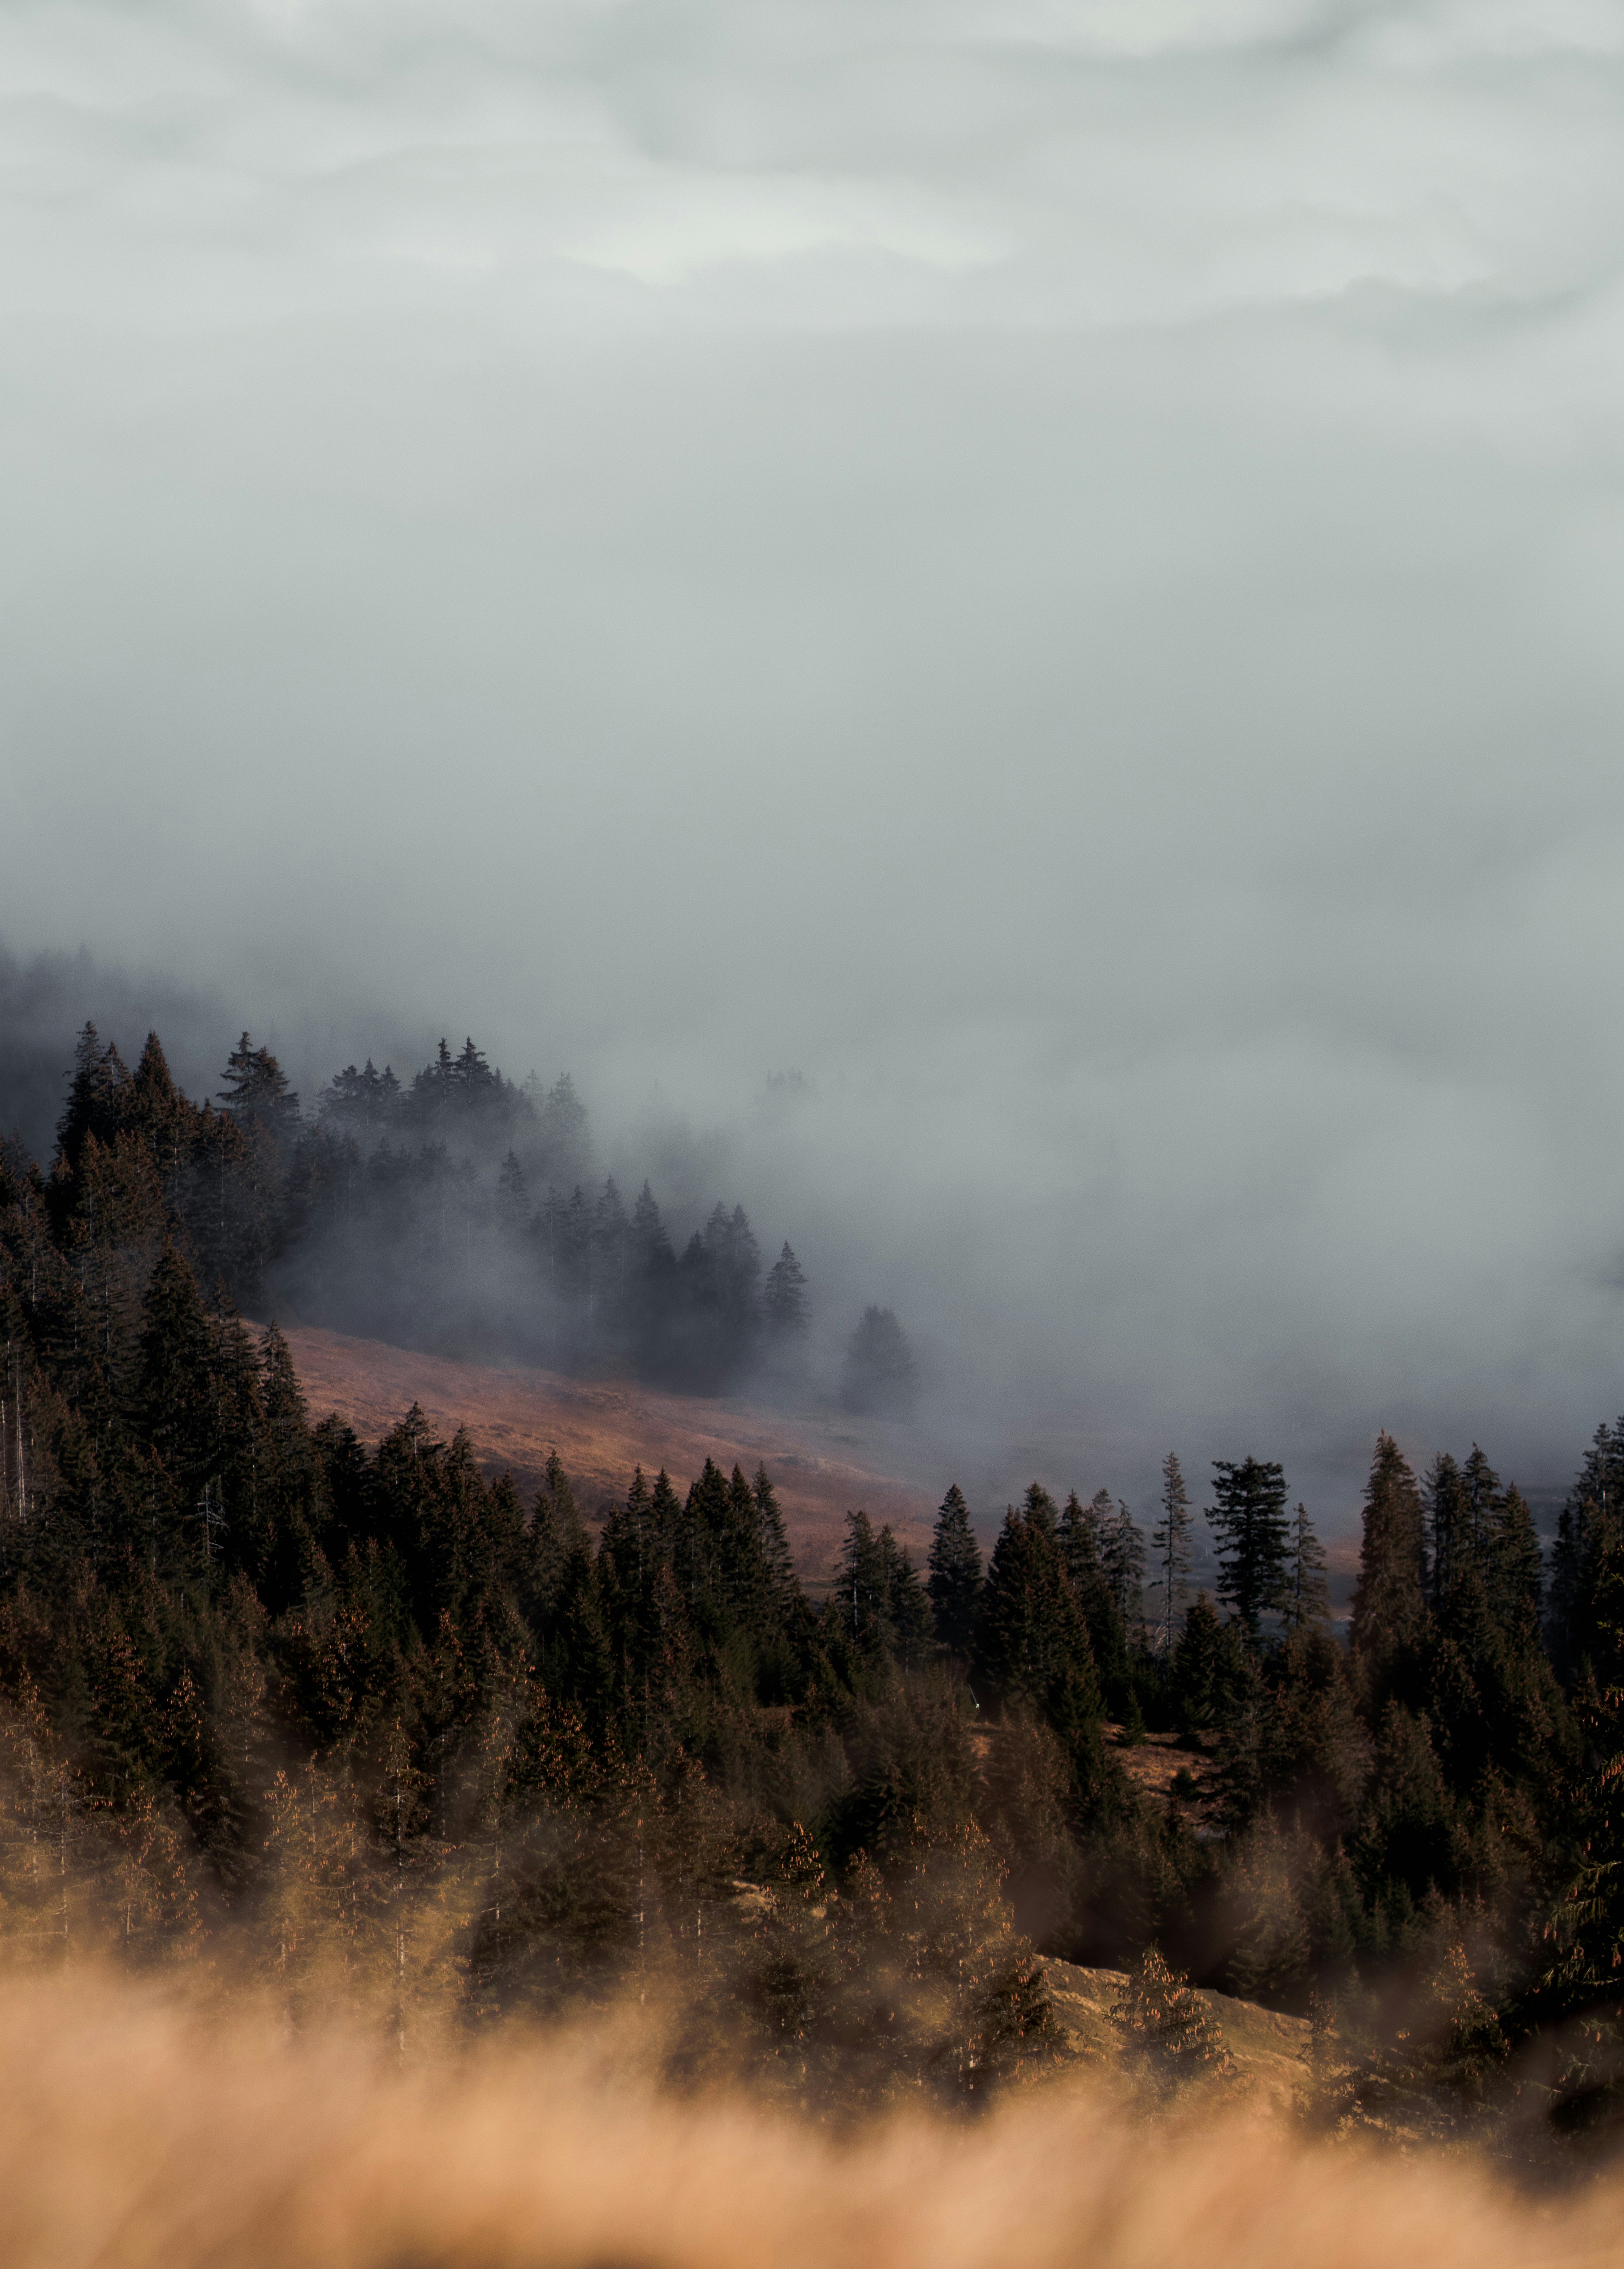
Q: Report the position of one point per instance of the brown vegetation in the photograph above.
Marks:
(603, 1429)
(139, 2132)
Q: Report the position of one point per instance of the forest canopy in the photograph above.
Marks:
(454, 1210)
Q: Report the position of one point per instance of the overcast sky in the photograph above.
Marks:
(1056, 567)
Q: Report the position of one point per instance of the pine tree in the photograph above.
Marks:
(563, 1139)
(1307, 1602)
(1031, 1642)
(1515, 1569)
(1589, 1531)
(954, 1574)
(772, 1543)
(1122, 1557)
(1447, 1529)
(173, 1392)
(907, 1604)
(156, 1111)
(859, 1593)
(1249, 1521)
(880, 1377)
(1197, 1668)
(94, 1097)
(783, 1302)
(1165, 2029)
(1481, 1492)
(1080, 1534)
(256, 1093)
(1390, 1600)
(512, 1197)
(1171, 1551)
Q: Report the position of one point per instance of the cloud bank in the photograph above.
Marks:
(1055, 568)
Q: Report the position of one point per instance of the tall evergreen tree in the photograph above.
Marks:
(907, 1604)
(257, 1095)
(1171, 1551)
(1306, 1606)
(1515, 1569)
(1080, 1534)
(174, 1397)
(954, 1574)
(783, 1302)
(1248, 1519)
(1481, 1493)
(777, 1561)
(1033, 1648)
(879, 1378)
(94, 1098)
(1447, 1529)
(860, 1594)
(1588, 1541)
(1389, 1600)
(1122, 1557)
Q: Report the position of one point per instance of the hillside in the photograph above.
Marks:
(823, 1464)
(1269, 2050)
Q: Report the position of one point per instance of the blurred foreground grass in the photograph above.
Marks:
(147, 2128)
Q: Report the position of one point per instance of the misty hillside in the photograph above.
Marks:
(513, 1417)
(455, 1211)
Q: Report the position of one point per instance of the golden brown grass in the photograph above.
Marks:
(141, 2130)
(820, 1465)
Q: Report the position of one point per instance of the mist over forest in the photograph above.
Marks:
(1019, 1347)
(811, 1230)
(1061, 584)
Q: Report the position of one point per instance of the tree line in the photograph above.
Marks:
(454, 1211)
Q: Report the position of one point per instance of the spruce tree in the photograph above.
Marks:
(1249, 1521)
(1515, 1569)
(880, 1377)
(563, 1135)
(1032, 1647)
(777, 1560)
(512, 1197)
(859, 1593)
(783, 1302)
(1589, 1531)
(174, 1401)
(954, 1574)
(1197, 1668)
(1447, 1529)
(94, 1097)
(1481, 1493)
(256, 1093)
(1389, 1600)
(1122, 1558)
(1080, 1534)
(1306, 1605)
(1171, 1551)
(909, 1621)
(1167, 2032)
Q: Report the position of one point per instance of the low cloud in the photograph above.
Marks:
(1057, 570)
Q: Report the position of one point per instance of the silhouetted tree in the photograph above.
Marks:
(880, 1377)
(1306, 1603)
(1248, 1519)
(783, 1302)
(1171, 1550)
(954, 1574)
(1389, 1604)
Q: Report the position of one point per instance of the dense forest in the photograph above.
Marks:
(454, 1211)
(271, 1695)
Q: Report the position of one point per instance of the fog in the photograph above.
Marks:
(1053, 569)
